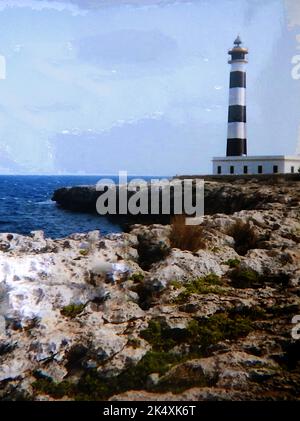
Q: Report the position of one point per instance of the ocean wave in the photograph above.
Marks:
(46, 202)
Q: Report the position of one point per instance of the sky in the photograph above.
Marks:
(99, 86)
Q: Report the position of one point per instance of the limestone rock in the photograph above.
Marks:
(97, 310)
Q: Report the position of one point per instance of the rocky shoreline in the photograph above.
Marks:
(152, 315)
(221, 195)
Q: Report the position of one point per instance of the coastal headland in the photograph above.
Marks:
(224, 194)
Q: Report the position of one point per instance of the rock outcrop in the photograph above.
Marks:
(128, 316)
(225, 195)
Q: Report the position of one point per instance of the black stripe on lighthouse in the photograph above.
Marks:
(237, 113)
(236, 147)
(237, 79)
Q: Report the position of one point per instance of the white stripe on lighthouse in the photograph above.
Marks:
(237, 96)
(236, 130)
(238, 66)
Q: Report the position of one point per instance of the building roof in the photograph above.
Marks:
(258, 158)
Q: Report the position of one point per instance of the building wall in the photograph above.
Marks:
(284, 165)
(289, 163)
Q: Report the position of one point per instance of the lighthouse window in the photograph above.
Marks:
(245, 169)
(238, 56)
(292, 170)
(231, 169)
(275, 169)
(260, 169)
(219, 170)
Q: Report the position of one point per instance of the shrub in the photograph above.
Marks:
(137, 277)
(198, 334)
(182, 297)
(93, 387)
(252, 313)
(232, 263)
(245, 278)
(175, 284)
(212, 279)
(72, 310)
(244, 236)
(49, 387)
(186, 237)
(205, 285)
(83, 252)
(218, 328)
(158, 335)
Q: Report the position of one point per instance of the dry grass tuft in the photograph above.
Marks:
(244, 236)
(186, 237)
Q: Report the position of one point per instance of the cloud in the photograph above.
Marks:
(41, 4)
(77, 6)
(89, 84)
(126, 46)
(293, 12)
(98, 4)
(55, 107)
(139, 147)
(8, 164)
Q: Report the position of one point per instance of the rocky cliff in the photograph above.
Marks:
(221, 194)
(131, 316)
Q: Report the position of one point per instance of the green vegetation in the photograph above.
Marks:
(134, 342)
(49, 387)
(137, 277)
(218, 328)
(212, 279)
(72, 310)
(205, 285)
(198, 334)
(175, 284)
(159, 336)
(92, 387)
(232, 263)
(184, 377)
(249, 278)
(83, 252)
(245, 278)
(283, 310)
(251, 313)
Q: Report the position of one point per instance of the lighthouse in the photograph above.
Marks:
(237, 161)
(236, 132)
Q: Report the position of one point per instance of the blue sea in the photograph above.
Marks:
(25, 205)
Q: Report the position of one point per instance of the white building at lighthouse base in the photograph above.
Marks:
(236, 165)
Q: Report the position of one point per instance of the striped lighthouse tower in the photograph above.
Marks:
(236, 134)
